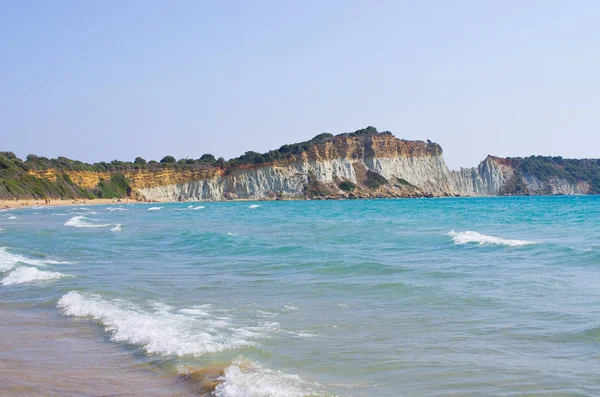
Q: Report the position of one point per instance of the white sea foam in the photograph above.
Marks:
(23, 274)
(468, 237)
(117, 228)
(244, 378)
(155, 208)
(59, 214)
(190, 208)
(12, 217)
(253, 206)
(9, 260)
(82, 221)
(162, 330)
(113, 209)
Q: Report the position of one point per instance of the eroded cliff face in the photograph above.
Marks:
(378, 165)
(411, 168)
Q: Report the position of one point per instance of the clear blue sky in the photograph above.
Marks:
(108, 80)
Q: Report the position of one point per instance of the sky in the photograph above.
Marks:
(105, 80)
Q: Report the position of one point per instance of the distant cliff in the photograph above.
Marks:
(362, 164)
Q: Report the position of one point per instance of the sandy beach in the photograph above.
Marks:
(23, 203)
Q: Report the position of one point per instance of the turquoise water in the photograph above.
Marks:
(436, 297)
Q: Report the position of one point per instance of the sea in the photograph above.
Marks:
(495, 296)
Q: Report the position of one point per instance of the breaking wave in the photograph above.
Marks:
(190, 208)
(468, 237)
(155, 208)
(113, 209)
(8, 260)
(162, 330)
(117, 228)
(24, 274)
(82, 221)
(253, 206)
(244, 378)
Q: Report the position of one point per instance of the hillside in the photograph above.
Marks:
(362, 164)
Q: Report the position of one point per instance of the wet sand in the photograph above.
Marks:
(43, 354)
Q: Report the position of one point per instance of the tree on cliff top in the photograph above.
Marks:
(168, 160)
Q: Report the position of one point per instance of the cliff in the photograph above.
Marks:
(362, 164)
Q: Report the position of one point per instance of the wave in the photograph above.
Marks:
(117, 228)
(113, 209)
(81, 221)
(12, 217)
(461, 238)
(163, 330)
(190, 208)
(155, 208)
(244, 378)
(9, 260)
(24, 274)
(253, 206)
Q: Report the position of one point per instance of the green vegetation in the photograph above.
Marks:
(546, 168)
(296, 149)
(347, 186)
(374, 180)
(117, 186)
(16, 182)
(204, 162)
(403, 181)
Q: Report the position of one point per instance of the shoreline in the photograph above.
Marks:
(34, 360)
(28, 203)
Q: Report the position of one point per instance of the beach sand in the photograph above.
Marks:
(22, 203)
(42, 354)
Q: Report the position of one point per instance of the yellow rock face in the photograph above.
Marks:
(340, 147)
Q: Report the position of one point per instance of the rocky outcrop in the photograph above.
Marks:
(346, 166)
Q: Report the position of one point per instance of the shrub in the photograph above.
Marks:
(168, 160)
(347, 186)
(374, 180)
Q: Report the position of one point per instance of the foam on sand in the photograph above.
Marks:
(244, 378)
(24, 274)
(468, 237)
(83, 222)
(155, 208)
(161, 329)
